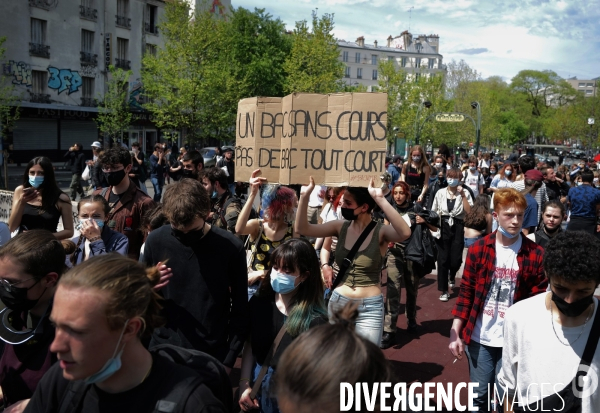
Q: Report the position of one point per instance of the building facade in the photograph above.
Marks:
(57, 56)
(419, 56)
(589, 88)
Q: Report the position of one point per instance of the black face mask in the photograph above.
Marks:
(190, 238)
(17, 299)
(442, 181)
(574, 309)
(114, 178)
(348, 213)
(188, 173)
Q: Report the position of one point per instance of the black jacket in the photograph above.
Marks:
(76, 161)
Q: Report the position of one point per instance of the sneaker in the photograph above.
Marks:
(444, 297)
(387, 340)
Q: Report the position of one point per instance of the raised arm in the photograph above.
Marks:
(243, 226)
(302, 225)
(66, 213)
(20, 198)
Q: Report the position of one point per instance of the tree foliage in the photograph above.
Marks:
(313, 65)
(9, 99)
(114, 115)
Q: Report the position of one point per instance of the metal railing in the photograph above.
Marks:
(123, 21)
(123, 64)
(151, 28)
(88, 58)
(88, 13)
(39, 98)
(89, 102)
(43, 4)
(40, 50)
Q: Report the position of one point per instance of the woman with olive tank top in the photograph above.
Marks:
(361, 282)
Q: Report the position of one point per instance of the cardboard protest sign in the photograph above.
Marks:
(339, 139)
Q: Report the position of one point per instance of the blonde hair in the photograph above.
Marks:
(129, 287)
(423, 162)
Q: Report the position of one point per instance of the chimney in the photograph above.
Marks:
(375, 43)
(361, 41)
(389, 41)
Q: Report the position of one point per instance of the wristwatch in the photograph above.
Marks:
(322, 265)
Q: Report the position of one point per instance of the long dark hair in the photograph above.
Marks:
(308, 304)
(49, 188)
(479, 211)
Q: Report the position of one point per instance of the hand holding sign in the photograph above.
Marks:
(256, 181)
(375, 192)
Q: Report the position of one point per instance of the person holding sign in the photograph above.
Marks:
(415, 172)
(360, 280)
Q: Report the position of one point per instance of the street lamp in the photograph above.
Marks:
(427, 104)
(476, 105)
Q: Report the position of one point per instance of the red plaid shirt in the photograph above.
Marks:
(479, 272)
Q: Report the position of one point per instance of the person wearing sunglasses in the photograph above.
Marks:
(30, 266)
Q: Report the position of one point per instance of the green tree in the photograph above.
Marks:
(114, 116)
(313, 65)
(184, 83)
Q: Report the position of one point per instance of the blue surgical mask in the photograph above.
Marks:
(100, 223)
(452, 182)
(282, 283)
(507, 234)
(579, 183)
(112, 365)
(36, 181)
(508, 173)
(416, 158)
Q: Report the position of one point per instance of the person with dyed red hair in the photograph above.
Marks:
(501, 269)
(279, 211)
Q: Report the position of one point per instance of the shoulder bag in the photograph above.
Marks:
(348, 260)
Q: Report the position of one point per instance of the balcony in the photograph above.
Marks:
(43, 4)
(39, 98)
(89, 102)
(123, 21)
(39, 50)
(151, 28)
(88, 13)
(88, 58)
(123, 64)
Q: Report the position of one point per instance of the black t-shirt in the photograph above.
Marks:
(113, 199)
(142, 398)
(265, 322)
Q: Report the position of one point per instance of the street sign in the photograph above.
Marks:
(590, 121)
(449, 117)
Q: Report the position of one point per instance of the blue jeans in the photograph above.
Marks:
(265, 397)
(369, 323)
(484, 366)
(471, 241)
(157, 183)
(232, 188)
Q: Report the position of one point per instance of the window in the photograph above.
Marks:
(38, 81)
(589, 92)
(87, 11)
(151, 19)
(151, 49)
(344, 56)
(87, 3)
(590, 85)
(431, 62)
(417, 62)
(390, 58)
(417, 77)
(374, 59)
(38, 31)
(123, 19)
(359, 73)
(347, 72)
(403, 63)
(88, 87)
(434, 49)
(582, 85)
(374, 74)
(121, 59)
(357, 58)
(87, 41)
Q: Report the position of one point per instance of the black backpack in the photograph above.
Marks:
(210, 372)
(242, 202)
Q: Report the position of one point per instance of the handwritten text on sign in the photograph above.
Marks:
(335, 138)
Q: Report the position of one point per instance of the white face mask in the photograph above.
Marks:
(438, 165)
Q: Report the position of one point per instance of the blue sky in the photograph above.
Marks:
(495, 37)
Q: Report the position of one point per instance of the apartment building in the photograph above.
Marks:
(58, 54)
(418, 55)
(589, 88)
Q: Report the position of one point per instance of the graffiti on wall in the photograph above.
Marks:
(20, 71)
(135, 94)
(218, 7)
(64, 79)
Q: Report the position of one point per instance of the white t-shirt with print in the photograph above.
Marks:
(473, 180)
(489, 326)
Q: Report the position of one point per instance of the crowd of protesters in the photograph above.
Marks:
(145, 304)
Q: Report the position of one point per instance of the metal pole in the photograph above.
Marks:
(478, 131)
(417, 128)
